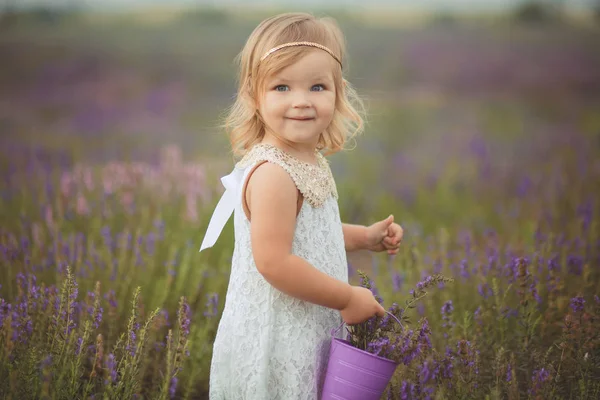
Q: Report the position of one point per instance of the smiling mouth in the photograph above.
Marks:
(301, 119)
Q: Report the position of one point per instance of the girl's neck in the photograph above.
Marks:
(302, 152)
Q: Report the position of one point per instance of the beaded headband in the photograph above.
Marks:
(311, 44)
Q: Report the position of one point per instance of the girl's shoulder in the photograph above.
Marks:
(315, 182)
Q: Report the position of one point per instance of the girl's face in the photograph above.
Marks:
(299, 101)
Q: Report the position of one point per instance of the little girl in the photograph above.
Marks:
(289, 277)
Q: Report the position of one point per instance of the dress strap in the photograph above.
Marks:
(224, 208)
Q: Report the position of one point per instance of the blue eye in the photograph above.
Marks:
(286, 88)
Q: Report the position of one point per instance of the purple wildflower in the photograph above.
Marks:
(447, 310)
(375, 291)
(575, 264)
(585, 211)
(538, 379)
(424, 334)
(491, 264)
(98, 317)
(405, 348)
(150, 242)
(45, 369)
(464, 269)
(22, 281)
(485, 290)
(533, 290)
(112, 298)
(407, 391)
(212, 303)
(577, 303)
(508, 312)
(387, 320)
(164, 314)
(428, 372)
(539, 236)
(466, 354)
(111, 365)
(424, 283)
(447, 365)
(78, 345)
(477, 316)
(2, 312)
(512, 270)
(184, 318)
(46, 362)
(524, 186)
(173, 387)
(132, 338)
(378, 347)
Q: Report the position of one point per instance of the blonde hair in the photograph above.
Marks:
(243, 123)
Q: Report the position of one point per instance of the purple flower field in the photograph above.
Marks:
(484, 141)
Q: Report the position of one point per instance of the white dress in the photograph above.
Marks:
(270, 345)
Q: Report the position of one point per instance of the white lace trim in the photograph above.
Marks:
(315, 182)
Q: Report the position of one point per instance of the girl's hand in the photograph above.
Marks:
(384, 235)
(361, 306)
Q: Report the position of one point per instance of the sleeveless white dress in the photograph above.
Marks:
(270, 345)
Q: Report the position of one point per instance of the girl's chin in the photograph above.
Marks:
(304, 139)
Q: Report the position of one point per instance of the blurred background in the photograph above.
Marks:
(116, 78)
(458, 92)
(483, 138)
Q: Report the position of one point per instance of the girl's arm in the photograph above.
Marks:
(272, 203)
(355, 237)
(384, 235)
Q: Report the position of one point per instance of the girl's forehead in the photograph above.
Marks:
(304, 77)
(315, 65)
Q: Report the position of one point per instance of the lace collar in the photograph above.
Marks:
(314, 181)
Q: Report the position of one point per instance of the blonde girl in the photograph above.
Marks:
(289, 276)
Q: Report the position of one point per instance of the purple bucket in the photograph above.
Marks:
(354, 374)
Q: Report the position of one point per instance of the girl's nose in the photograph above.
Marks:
(301, 100)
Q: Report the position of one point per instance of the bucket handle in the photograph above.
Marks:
(334, 331)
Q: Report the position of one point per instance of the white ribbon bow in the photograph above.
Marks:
(224, 208)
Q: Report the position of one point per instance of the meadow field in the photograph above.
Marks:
(483, 139)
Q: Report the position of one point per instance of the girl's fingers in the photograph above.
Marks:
(393, 242)
(391, 247)
(391, 239)
(395, 233)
